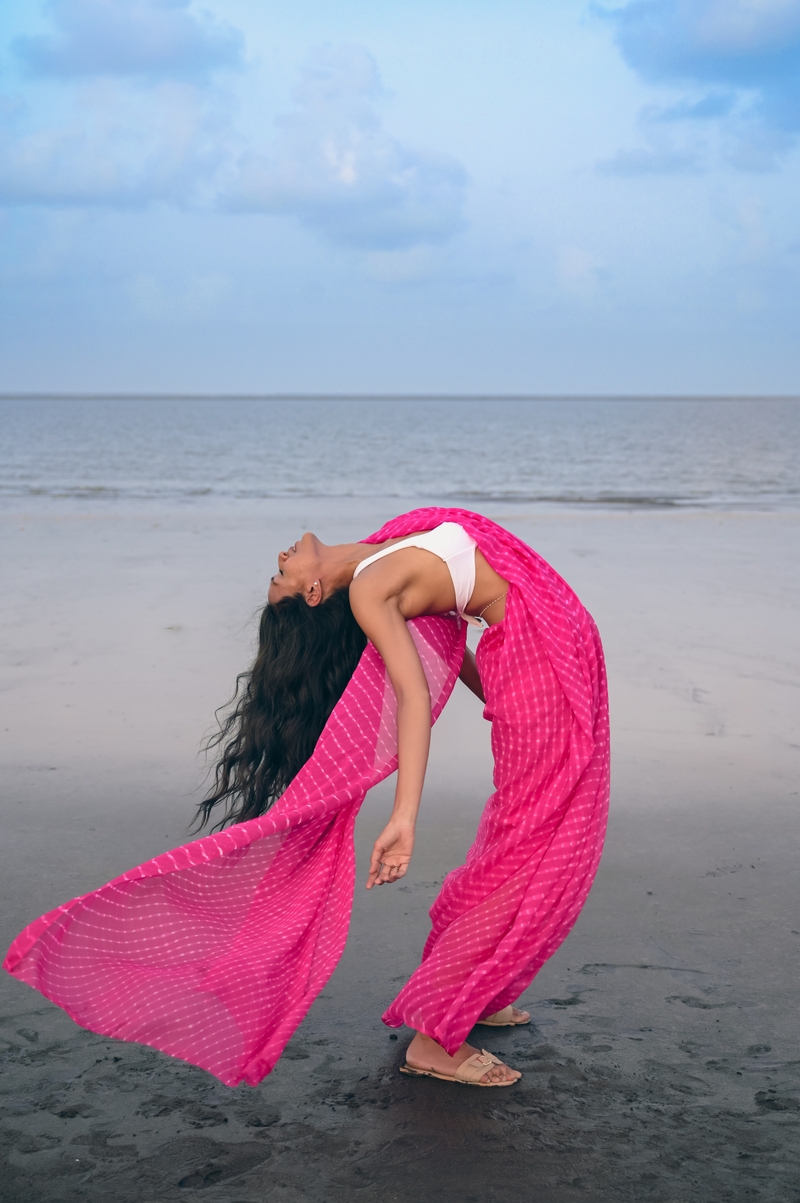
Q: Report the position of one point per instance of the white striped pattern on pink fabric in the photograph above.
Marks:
(214, 952)
(501, 915)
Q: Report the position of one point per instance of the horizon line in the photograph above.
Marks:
(376, 396)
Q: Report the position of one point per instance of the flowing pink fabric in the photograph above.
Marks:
(501, 915)
(214, 952)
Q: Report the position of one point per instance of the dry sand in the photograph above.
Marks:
(663, 1060)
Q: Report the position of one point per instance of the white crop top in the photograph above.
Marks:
(451, 543)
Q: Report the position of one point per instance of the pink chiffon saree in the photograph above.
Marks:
(214, 952)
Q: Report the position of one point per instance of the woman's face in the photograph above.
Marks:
(298, 569)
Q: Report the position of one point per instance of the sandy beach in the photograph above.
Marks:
(662, 1062)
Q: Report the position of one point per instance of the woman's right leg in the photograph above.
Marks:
(502, 915)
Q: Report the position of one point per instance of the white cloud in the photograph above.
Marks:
(114, 147)
(662, 153)
(130, 37)
(743, 26)
(332, 166)
(340, 173)
(739, 42)
(740, 60)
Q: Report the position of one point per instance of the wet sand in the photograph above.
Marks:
(662, 1062)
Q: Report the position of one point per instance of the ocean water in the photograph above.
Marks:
(127, 453)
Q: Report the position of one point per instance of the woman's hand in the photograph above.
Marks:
(391, 853)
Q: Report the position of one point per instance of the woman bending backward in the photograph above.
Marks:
(539, 671)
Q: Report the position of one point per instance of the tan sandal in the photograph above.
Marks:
(503, 1019)
(469, 1072)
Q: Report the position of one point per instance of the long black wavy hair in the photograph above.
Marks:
(306, 656)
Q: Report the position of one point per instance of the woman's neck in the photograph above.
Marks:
(345, 558)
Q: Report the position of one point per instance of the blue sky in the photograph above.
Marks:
(538, 197)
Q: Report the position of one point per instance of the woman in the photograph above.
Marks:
(250, 922)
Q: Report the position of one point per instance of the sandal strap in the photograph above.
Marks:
(473, 1069)
(504, 1016)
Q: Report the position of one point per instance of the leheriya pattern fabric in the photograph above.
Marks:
(500, 916)
(215, 951)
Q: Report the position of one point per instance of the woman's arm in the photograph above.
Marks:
(384, 625)
(470, 676)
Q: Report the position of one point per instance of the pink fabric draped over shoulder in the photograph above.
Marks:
(214, 952)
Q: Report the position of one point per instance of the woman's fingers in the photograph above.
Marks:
(386, 867)
(382, 867)
(391, 854)
(375, 865)
(391, 871)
